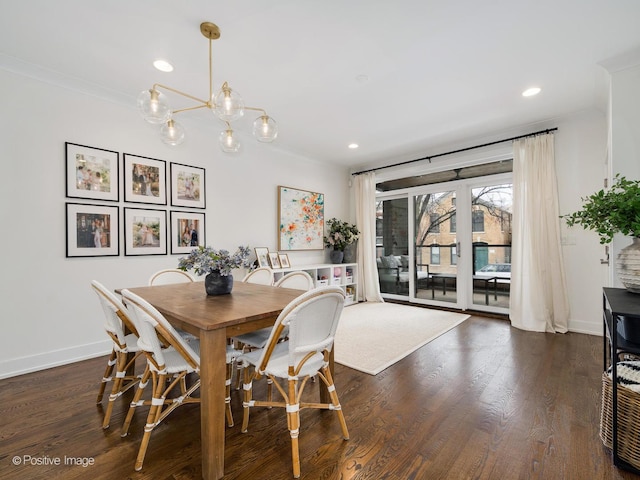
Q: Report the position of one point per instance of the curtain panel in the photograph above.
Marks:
(538, 287)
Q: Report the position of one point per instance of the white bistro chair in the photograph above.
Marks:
(262, 276)
(170, 358)
(117, 321)
(312, 320)
(170, 275)
(298, 280)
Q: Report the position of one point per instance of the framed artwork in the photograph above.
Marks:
(262, 254)
(187, 186)
(91, 172)
(284, 260)
(145, 180)
(300, 219)
(187, 231)
(92, 230)
(145, 231)
(273, 260)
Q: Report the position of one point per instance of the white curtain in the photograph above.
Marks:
(538, 288)
(365, 188)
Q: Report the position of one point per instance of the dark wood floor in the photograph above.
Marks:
(483, 401)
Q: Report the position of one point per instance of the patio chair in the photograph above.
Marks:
(312, 319)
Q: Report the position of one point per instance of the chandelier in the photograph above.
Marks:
(226, 104)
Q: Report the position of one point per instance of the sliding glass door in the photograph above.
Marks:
(436, 250)
(491, 213)
(455, 251)
(392, 245)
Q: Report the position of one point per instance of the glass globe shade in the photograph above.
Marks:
(265, 129)
(228, 105)
(172, 133)
(228, 143)
(154, 107)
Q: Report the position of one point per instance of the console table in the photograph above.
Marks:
(617, 303)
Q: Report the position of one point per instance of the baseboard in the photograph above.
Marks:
(55, 358)
(588, 328)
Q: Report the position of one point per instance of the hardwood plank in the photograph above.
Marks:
(483, 401)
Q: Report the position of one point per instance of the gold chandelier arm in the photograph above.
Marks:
(256, 109)
(188, 108)
(159, 85)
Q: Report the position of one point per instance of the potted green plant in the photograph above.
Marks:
(217, 265)
(612, 211)
(340, 236)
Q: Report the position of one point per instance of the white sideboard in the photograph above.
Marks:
(344, 275)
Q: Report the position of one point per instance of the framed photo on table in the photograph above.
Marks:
(92, 230)
(145, 180)
(262, 254)
(300, 219)
(91, 172)
(273, 260)
(187, 231)
(187, 186)
(145, 231)
(284, 260)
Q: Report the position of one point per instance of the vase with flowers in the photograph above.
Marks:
(613, 211)
(216, 265)
(340, 236)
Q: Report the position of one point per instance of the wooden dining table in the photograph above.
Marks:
(214, 319)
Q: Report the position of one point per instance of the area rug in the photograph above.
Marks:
(373, 336)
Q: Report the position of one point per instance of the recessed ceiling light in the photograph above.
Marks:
(353, 146)
(530, 92)
(163, 66)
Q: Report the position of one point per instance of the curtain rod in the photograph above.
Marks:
(457, 151)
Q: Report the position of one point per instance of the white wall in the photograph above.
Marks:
(625, 134)
(50, 314)
(580, 151)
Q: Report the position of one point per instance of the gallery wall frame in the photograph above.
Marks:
(188, 186)
(91, 173)
(92, 230)
(300, 219)
(145, 231)
(145, 180)
(187, 231)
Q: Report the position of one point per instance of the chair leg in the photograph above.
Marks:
(227, 393)
(135, 402)
(335, 401)
(118, 380)
(247, 400)
(107, 375)
(157, 402)
(293, 423)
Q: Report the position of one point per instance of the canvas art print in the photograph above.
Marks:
(301, 219)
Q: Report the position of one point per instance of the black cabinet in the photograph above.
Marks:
(619, 306)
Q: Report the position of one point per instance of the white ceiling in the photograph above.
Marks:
(439, 72)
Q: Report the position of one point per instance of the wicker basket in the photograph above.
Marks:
(628, 421)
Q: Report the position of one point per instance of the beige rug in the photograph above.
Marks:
(372, 336)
